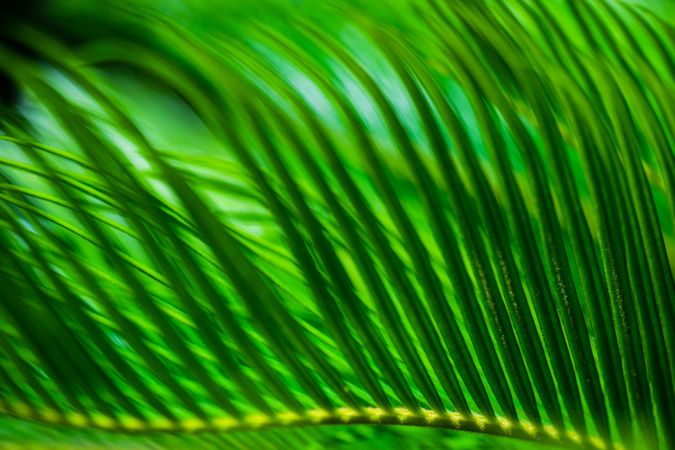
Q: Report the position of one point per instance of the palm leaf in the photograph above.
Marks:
(224, 230)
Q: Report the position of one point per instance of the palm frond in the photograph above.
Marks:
(449, 214)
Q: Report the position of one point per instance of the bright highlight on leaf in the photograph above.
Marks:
(233, 224)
